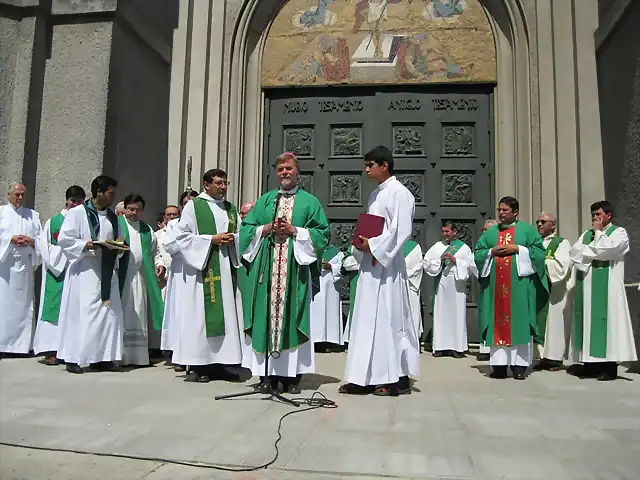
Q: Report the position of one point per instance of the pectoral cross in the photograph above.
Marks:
(210, 279)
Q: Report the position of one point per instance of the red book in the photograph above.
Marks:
(368, 226)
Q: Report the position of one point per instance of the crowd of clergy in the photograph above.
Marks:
(259, 286)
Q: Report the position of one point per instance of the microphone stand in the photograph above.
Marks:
(265, 385)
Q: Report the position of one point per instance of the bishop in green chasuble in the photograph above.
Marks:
(602, 333)
(281, 271)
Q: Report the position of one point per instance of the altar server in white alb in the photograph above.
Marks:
(176, 283)
(484, 350)
(90, 309)
(326, 309)
(19, 256)
(351, 269)
(139, 271)
(207, 236)
(54, 261)
(171, 212)
(554, 319)
(412, 253)
(383, 343)
(602, 334)
(449, 262)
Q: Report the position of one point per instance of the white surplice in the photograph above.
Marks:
(47, 337)
(326, 308)
(298, 360)
(450, 303)
(620, 340)
(383, 342)
(413, 262)
(514, 355)
(135, 302)
(192, 346)
(90, 330)
(161, 237)
(175, 288)
(560, 314)
(17, 265)
(350, 264)
(483, 348)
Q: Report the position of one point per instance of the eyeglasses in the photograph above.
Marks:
(221, 183)
(542, 222)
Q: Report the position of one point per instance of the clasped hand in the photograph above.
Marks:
(504, 250)
(222, 238)
(447, 256)
(280, 227)
(22, 241)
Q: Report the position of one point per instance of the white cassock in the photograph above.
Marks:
(350, 264)
(413, 262)
(90, 329)
(161, 237)
(513, 355)
(560, 312)
(175, 287)
(483, 348)
(299, 360)
(135, 302)
(450, 302)
(47, 337)
(326, 308)
(17, 265)
(383, 342)
(192, 346)
(620, 340)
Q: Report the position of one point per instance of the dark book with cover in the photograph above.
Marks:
(368, 226)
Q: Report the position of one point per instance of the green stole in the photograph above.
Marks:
(353, 284)
(453, 248)
(154, 294)
(211, 286)
(542, 299)
(599, 302)
(307, 213)
(108, 256)
(53, 284)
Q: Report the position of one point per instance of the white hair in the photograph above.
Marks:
(119, 206)
(551, 217)
(13, 185)
(490, 223)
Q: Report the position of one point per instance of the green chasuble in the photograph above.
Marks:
(599, 302)
(108, 256)
(520, 322)
(211, 279)
(53, 284)
(309, 214)
(408, 247)
(353, 283)
(154, 294)
(542, 295)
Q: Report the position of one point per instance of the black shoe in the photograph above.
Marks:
(180, 368)
(606, 377)
(499, 372)
(543, 364)
(519, 372)
(193, 377)
(74, 368)
(438, 353)
(294, 389)
(483, 357)
(458, 354)
(586, 370)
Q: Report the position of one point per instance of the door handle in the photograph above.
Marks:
(321, 165)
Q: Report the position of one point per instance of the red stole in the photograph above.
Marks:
(502, 294)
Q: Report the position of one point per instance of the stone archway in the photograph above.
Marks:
(512, 108)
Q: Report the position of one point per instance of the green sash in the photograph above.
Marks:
(599, 302)
(53, 284)
(453, 248)
(353, 284)
(408, 246)
(154, 294)
(212, 288)
(542, 299)
(108, 256)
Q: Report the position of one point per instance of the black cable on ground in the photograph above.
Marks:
(314, 402)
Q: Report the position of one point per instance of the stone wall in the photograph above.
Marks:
(619, 84)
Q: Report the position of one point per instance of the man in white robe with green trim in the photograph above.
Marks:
(351, 269)
(554, 319)
(326, 309)
(602, 335)
(412, 253)
(209, 334)
(54, 262)
(19, 257)
(449, 262)
(139, 271)
(283, 238)
(90, 310)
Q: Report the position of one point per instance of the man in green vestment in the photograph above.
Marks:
(283, 239)
(243, 275)
(54, 262)
(510, 262)
(602, 334)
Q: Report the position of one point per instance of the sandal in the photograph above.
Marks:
(51, 361)
(386, 391)
(353, 389)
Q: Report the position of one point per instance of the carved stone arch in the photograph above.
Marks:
(241, 142)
